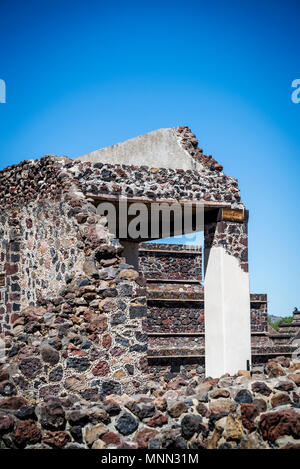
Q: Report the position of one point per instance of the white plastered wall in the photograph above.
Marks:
(227, 314)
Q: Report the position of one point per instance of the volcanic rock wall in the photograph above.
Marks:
(175, 317)
(70, 305)
(250, 410)
(73, 312)
(170, 261)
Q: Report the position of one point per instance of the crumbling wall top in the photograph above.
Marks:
(172, 148)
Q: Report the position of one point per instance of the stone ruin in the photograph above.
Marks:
(175, 300)
(111, 342)
(76, 312)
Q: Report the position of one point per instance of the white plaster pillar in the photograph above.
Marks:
(227, 313)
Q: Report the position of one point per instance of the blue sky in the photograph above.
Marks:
(82, 75)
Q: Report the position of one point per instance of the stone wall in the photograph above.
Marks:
(9, 267)
(146, 182)
(205, 181)
(170, 261)
(174, 316)
(259, 312)
(74, 320)
(179, 262)
(232, 236)
(257, 410)
(68, 294)
(51, 251)
(65, 286)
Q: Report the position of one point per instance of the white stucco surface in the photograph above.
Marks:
(227, 315)
(160, 148)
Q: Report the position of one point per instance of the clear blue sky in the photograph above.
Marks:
(82, 75)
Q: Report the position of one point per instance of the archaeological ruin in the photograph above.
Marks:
(89, 311)
(175, 302)
(84, 287)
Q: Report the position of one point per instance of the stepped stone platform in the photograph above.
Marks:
(175, 321)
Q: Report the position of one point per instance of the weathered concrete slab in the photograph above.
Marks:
(160, 148)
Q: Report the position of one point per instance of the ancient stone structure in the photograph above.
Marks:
(73, 306)
(80, 322)
(288, 332)
(176, 307)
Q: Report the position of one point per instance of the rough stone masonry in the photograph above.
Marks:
(72, 309)
(250, 410)
(175, 302)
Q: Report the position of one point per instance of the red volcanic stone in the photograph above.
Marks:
(276, 424)
(50, 355)
(6, 422)
(106, 341)
(157, 420)
(29, 223)
(82, 217)
(135, 383)
(273, 369)
(296, 378)
(56, 439)
(78, 353)
(97, 323)
(249, 412)
(167, 322)
(12, 403)
(280, 399)
(30, 367)
(217, 393)
(143, 436)
(176, 383)
(213, 382)
(143, 364)
(283, 361)
(285, 386)
(11, 269)
(117, 351)
(111, 438)
(14, 317)
(4, 375)
(101, 369)
(27, 432)
(261, 388)
(202, 410)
